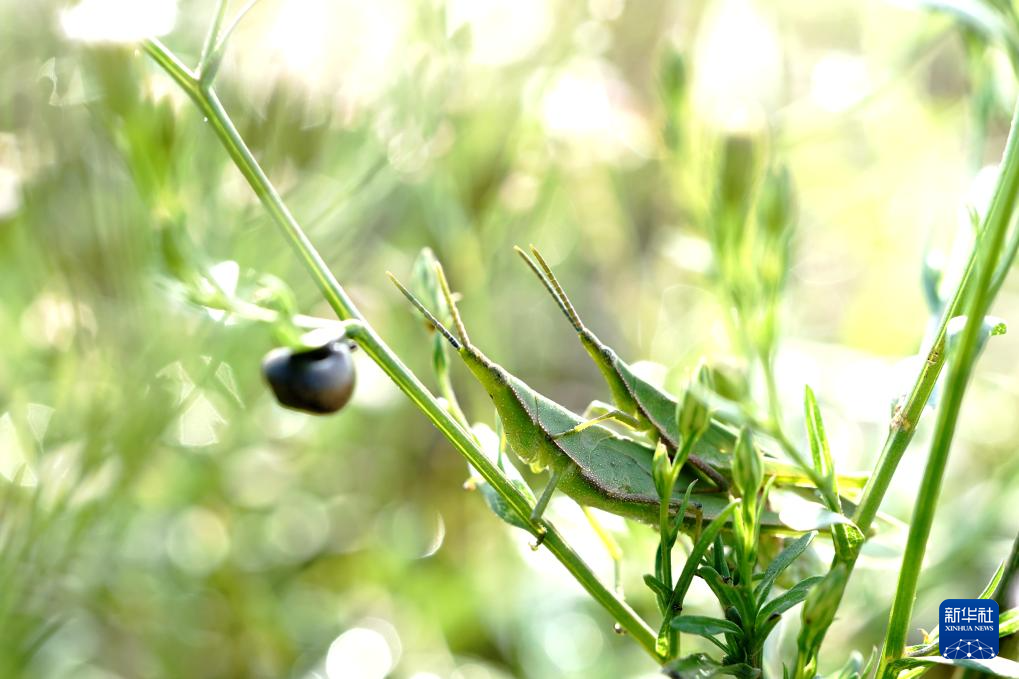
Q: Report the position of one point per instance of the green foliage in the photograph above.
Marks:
(161, 516)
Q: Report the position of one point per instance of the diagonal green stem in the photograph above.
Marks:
(907, 416)
(206, 100)
(989, 251)
(213, 35)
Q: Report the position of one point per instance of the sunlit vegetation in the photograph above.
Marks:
(753, 388)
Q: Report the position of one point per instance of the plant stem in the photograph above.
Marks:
(1003, 592)
(208, 103)
(213, 35)
(989, 250)
(907, 415)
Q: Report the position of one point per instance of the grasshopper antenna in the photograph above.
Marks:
(451, 303)
(551, 283)
(425, 312)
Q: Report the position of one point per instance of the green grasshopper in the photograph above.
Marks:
(644, 407)
(640, 405)
(590, 463)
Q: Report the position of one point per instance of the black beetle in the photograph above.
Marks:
(318, 381)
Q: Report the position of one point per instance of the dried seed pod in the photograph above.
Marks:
(318, 381)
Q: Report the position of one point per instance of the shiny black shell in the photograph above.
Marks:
(318, 381)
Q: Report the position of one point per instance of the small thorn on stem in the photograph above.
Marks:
(540, 536)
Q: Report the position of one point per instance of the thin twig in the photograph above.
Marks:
(362, 332)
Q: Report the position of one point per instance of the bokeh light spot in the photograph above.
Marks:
(118, 20)
(197, 541)
(299, 526)
(359, 653)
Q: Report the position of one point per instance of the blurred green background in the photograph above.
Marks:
(161, 516)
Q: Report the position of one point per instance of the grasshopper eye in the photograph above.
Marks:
(318, 381)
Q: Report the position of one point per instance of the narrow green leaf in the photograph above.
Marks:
(856, 666)
(681, 514)
(697, 553)
(1008, 623)
(657, 586)
(701, 666)
(1002, 667)
(488, 442)
(769, 483)
(764, 630)
(781, 562)
(993, 584)
(979, 16)
(846, 538)
(819, 449)
(704, 626)
(784, 602)
(744, 606)
(719, 555)
(723, 590)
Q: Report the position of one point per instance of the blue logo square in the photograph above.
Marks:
(968, 628)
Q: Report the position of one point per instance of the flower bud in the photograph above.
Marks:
(661, 471)
(729, 381)
(694, 415)
(673, 77)
(819, 611)
(673, 81)
(747, 468)
(776, 206)
(737, 172)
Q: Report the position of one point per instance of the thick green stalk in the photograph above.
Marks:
(989, 252)
(907, 415)
(208, 103)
